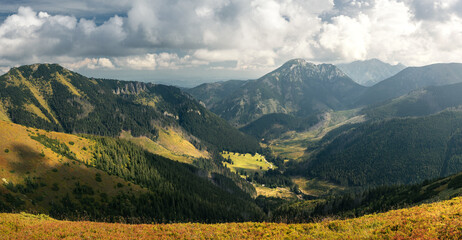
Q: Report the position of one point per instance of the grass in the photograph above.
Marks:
(170, 144)
(428, 221)
(277, 192)
(247, 162)
(316, 187)
(30, 160)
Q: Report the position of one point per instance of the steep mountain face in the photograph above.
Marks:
(297, 87)
(370, 72)
(50, 97)
(396, 151)
(412, 78)
(419, 102)
(212, 93)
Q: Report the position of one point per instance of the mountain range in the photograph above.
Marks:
(297, 87)
(412, 78)
(48, 96)
(94, 144)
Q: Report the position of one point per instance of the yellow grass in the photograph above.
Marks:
(170, 145)
(36, 93)
(66, 83)
(315, 187)
(278, 192)
(21, 157)
(3, 114)
(429, 221)
(35, 110)
(247, 162)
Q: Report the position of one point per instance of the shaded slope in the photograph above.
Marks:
(395, 151)
(419, 102)
(412, 78)
(212, 93)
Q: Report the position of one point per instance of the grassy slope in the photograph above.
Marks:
(21, 157)
(428, 221)
(247, 162)
(170, 144)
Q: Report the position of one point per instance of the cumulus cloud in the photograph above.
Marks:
(256, 34)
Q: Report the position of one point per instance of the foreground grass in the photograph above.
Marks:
(441, 220)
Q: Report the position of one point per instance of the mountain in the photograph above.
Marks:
(395, 151)
(105, 179)
(419, 102)
(370, 72)
(272, 125)
(412, 78)
(298, 87)
(51, 97)
(212, 93)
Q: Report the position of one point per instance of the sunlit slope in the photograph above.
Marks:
(57, 174)
(48, 96)
(171, 143)
(39, 167)
(429, 221)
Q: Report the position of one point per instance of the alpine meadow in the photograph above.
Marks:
(231, 119)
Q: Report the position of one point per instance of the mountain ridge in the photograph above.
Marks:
(297, 87)
(51, 97)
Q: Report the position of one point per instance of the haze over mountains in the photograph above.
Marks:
(370, 72)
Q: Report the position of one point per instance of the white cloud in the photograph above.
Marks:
(91, 63)
(251, 34)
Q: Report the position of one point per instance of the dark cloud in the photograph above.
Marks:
(350, 8)
(439, 10)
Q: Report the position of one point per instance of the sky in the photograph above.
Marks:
(186, 42)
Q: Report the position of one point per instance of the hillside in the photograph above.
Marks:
(380, 199)
(419, 102)
(298, 87)
(212, 93)
(428, 221)
(370, 72)
(412, 78)
(395, 151)
(273, 125)
(51, 97)
(107, 179)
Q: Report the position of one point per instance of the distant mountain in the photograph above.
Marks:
(410, 79)
(212, 93)
(395, 151)
(49, 96)
(419, 102)
(297, 87)
(370, 72)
